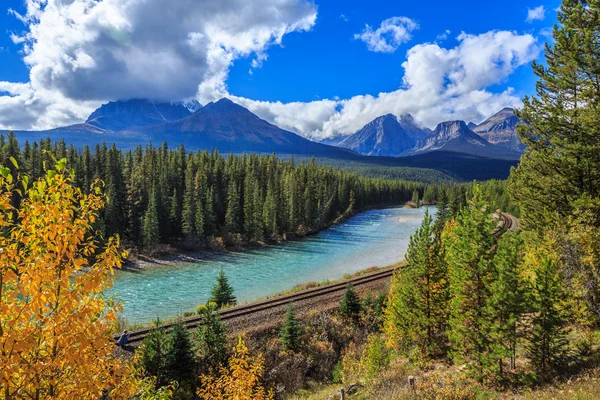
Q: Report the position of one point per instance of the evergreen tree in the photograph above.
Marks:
(416, 314)
(548, 337)
(188, 222)
(154, 355)
(290, 333)
(180, 359)
(210, 340)
(415, 197)
(350, 306)
(468, 251)
(151, 226)
(557, 182)
(507, 301)
(222, 292)
(233, 216)
(562, 124)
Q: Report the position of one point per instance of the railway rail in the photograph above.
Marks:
(507, 223)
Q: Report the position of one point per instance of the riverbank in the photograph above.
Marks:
(168, 288)
(178, 252)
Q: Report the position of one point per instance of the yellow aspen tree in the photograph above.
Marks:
(55, 319)
(241, 381)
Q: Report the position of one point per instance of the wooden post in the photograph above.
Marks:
(342, 394)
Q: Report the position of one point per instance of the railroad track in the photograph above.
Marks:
(508, 222)
(243, 310)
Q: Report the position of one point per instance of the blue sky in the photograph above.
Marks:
(317, 61)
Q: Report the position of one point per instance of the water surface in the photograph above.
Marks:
(373, 238)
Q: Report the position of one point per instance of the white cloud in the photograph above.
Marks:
(344, 18)
(85, 52)
(443, 36)
(439, 84)
(89, 51)
(389, 36)
(536, 14)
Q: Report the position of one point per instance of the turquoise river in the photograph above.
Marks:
(372, 238)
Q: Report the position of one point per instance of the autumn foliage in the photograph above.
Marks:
(241, 381)
(55, 319)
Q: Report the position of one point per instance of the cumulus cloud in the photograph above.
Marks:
(89, 51)
(344, 18)
(439, 84)
(536, 14)
(389, 36)
(82, 53)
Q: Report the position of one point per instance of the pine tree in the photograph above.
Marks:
(562, 124)
(180, 359)
(468, 250)
(154, 355)
(416, 314)
(557, 182)
(507, 301)
(233, 215)
(189, 207)
(290, 333)
(548, 337)
(151, 228)
(210, 341)
(415, 198)
(222, 292)
(350, 306)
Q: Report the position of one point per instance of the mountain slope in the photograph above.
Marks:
(455, 136)
(231, 128)
(120, 115)
(385, 136)
(500, 129)
(381, 137)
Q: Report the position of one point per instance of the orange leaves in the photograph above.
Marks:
(55, 328)
(241, 381)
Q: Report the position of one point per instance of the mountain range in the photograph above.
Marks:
(387, 135)
(483, 151)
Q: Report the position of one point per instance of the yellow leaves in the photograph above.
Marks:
(55, 328)
(241, 381)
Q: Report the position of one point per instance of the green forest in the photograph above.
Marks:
(160, 195)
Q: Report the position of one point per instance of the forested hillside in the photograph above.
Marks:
(161, 195)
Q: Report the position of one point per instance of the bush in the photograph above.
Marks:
(375, 356)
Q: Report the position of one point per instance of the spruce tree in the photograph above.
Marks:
(189, 206)
(416, 312)
(210, 341)
(548, 337)
(350, 306)
(507, 302)
(180, 358)
(561, 125)
(290, 333)
(233, 216)
(222, 292)
(557, 182)
(415, 197)
(151, 228)
(154, 355)
(468, 245)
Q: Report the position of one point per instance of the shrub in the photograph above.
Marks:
(375, 356)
